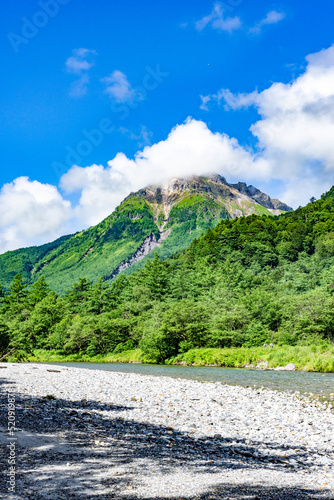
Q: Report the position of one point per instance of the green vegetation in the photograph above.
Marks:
(23, 260)
(246, 282)
(92, 253)
(315, 358)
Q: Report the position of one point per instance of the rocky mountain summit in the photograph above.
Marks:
(216, 188)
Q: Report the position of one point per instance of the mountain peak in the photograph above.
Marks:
(159, 218)
(212, 185)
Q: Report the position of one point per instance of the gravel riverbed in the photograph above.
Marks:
(103, 435)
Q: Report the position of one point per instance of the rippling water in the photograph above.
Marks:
(320, 385)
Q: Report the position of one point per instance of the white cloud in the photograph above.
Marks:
(79, 64)
(81, 60)
(218, 21)
(296, 129)
(119, 88)
(229, 100)
(31, 213)
(272, 17)
(190, 149)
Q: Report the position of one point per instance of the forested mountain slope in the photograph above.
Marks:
(245, 282)
(161, 218)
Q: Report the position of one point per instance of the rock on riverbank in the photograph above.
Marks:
(95, 434)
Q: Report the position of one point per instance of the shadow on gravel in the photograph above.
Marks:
(68, 450)
(245, 492)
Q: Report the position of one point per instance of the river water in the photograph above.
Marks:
(320, 385)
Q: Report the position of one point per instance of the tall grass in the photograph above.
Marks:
(313, 358)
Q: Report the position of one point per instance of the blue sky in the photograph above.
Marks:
(157, 89)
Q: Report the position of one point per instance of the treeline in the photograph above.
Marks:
(246, 282)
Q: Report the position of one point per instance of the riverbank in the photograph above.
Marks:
(307, 358)
(88, 433)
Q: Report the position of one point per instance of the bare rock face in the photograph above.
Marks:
(145, 248)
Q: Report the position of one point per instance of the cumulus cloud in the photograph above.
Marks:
(272, 17)
(79, 64)
(217, 20)
(190, 149)
(31, 213)
(296, 129)
(119, 88)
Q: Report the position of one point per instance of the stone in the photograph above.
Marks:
(288, 368)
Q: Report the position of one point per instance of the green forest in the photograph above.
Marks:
(248, 281)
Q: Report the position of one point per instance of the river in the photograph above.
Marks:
(319, 385)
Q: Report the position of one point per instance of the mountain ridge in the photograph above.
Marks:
(248, 190)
